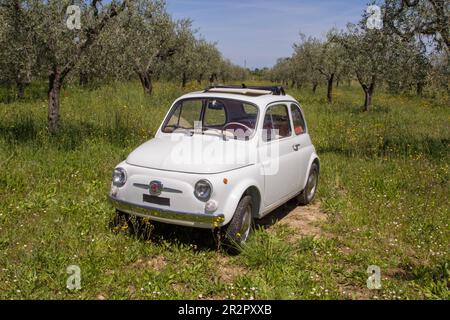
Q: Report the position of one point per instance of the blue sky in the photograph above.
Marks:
(260, 31)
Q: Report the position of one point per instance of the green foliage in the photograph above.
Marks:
(391, 58)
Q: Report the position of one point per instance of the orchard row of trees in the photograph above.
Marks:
(62, 41)
(407, 51)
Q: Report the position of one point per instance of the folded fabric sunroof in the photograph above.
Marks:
(247, 90)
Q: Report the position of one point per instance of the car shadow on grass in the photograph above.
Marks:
(200, 239)
(278, 214)
(162, 233)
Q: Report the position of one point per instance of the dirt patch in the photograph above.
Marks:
(180, 287)
(227, 271)
(305, 221)
(351, 292)
(157, 263)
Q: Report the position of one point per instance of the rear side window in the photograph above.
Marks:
(249, 110)
(298, 121)
(276, 123)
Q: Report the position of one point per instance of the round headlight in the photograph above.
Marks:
(203, 190)
(119, 177)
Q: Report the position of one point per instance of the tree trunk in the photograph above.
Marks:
(146, 82)
(330, 88)
(367, 101)
(293, 84)
(54, 89)
(212, 78)
(84, 79)
(314, 88)
(184, 80)
(200, 79)
(419, 88)
(368, 93)
(21, 90)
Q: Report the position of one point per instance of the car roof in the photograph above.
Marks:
(261, 100)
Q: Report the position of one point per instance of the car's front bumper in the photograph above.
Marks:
(167, 216)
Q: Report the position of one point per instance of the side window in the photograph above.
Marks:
(276, 123)
(297, 119)
(249, 109)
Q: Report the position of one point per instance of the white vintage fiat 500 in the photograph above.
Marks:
(221, 158)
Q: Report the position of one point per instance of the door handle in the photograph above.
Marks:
(296, 147)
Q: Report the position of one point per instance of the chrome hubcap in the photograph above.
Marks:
(246, 224)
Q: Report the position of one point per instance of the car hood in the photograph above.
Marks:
(199, 154)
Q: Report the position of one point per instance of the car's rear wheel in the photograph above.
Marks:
(309, 193)
(239, 229)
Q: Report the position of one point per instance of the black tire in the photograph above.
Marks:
(239, 229)
(307, 196)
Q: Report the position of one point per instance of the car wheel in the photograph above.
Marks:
(307, 195)
(238, 230)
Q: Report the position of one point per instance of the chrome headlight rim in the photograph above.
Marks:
(123, 181)
(208, 197)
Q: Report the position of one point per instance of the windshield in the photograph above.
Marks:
(231, 118)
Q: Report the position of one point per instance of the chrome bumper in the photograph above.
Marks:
(215, 220)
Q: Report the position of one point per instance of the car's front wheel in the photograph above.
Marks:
(308, 194)
(238, 230)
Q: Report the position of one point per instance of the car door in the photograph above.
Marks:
(302, 145)
(278, 155)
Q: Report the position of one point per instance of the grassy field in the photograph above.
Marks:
(384, 189)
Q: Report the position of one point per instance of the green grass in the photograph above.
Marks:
(384, 187)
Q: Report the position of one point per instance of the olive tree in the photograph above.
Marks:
(231, 72)
(321, 58)
(409, 18)
(283, 71)
(409, 67)
(306, 61)
(63, 35)
(184, 60)
(439, 75)
(207, 61)
(147, 36)
(331, 63)
(423, 20)
(366, 52)
(300, 71)
(18, 56)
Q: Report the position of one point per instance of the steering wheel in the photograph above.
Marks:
(236, 124)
